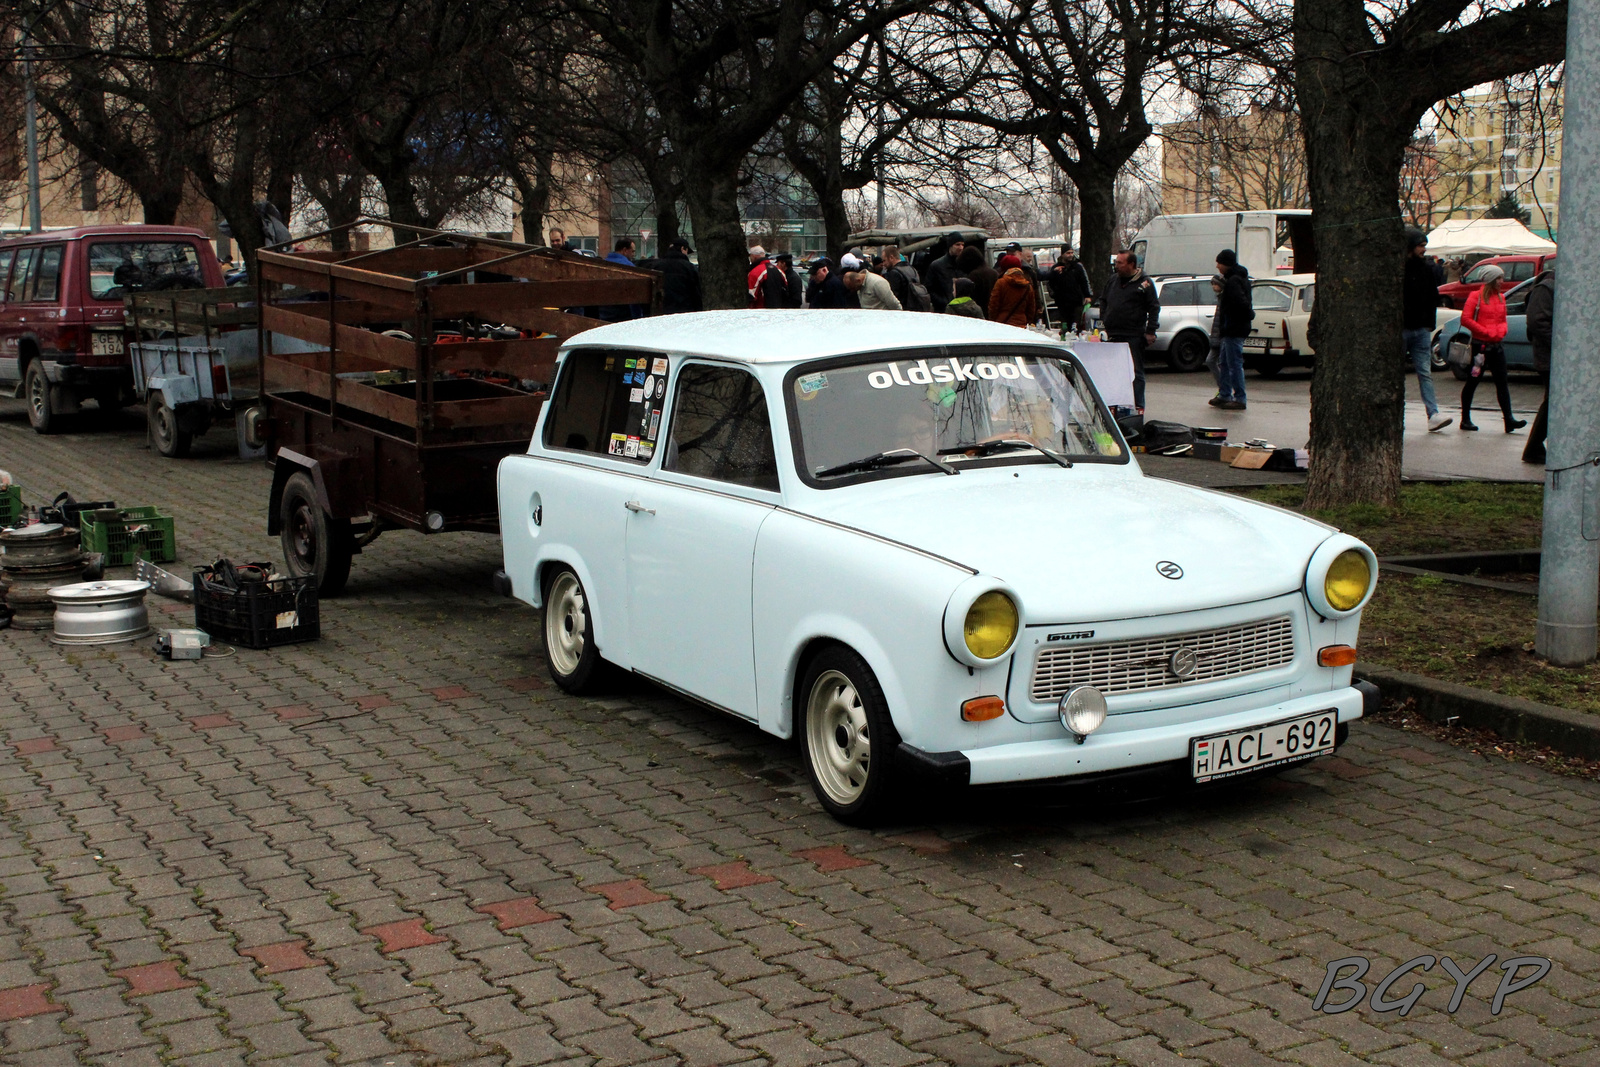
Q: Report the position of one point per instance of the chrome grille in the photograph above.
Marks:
(1133, 666)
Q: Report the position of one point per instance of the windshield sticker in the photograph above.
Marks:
(661, 388)
(631, 448)
(951, 370)
(811, 385)
(611, 362)
(646, 449)
(655, 424)
(630, 363)
(619, 441)
(658, 365)
(636, 396)
(649, 387)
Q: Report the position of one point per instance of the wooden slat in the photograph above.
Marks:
(348, 362)
(548, 320)
(347, 311)
(544, 265)
(290, 270)
(501, 298)
(519, 359)
(416, 260)
(492, 411)
(390, 351)
(284, 374)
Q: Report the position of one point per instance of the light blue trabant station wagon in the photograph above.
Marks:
(918, 544)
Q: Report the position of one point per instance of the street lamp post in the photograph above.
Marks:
(1569, 569)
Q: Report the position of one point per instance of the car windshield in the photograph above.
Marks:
(142, 266)
(964, 406)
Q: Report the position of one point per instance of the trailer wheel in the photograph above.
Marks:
(169, 438)
(314, 542)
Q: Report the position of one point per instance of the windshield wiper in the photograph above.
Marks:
(883, 459)
(989, 448)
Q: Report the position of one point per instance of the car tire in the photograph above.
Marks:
(167, 435)
(36, 388)
(314, 542)
(846, 736)
(1269, 368)
(568, 632)
(1188, 352)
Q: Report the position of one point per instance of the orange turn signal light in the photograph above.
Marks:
(981, 709)
(1337, 656)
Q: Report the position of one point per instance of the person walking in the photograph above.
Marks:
(1214, 356)
(872, 290)
(1130, 311)
(1541, 320)
(1238, 312)
(1420, 298)
(1484, 314)
(1013, 301)
(963, 303)
(943, 271)
(1070, 290)
(755, 276)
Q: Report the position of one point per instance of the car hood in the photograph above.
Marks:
(1084, 544)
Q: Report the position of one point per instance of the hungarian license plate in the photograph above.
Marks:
(1290, 741)
(1256, 346)
(106, 343)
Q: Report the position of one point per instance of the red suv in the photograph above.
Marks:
(61, 321)
(1518, 269)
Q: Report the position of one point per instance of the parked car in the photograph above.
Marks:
(1517, 269)
(1519, 350)
(1283, 315)
(918, 544)
(1183, 336)
(61, 312)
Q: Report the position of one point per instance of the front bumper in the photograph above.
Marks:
(1122, 750)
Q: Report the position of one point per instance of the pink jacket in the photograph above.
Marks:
(1485, 318)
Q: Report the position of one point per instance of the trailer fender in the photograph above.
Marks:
(175, 390)
(289, 463)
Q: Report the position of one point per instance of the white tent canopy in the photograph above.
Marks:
(1486, 237)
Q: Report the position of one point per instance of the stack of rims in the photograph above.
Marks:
(100, 613)
(33, 559)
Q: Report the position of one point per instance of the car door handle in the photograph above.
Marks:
(634, 505)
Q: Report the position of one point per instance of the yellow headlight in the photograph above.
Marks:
(991, 625)
(1347, 580)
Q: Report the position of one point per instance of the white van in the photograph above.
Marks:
(1188, 244)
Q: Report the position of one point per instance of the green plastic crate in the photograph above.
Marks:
(10, 505)
(141, 533)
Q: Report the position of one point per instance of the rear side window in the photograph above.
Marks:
(6, 256)
(1271, 298)
(1206, 295)
(1178, 294)
(46, 274)
(608, 403)
(720, 428)
(1520, 271)
(22, 274)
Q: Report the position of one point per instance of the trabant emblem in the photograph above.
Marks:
(1168, 569)
(1184, 663)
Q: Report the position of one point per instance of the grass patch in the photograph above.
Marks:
(1477, 637)
(1449, 517)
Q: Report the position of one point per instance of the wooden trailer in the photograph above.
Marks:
(428, 363)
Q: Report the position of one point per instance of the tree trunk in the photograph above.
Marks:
(1097, 223)
(719, 236)
(160, 203)
(1355, 145)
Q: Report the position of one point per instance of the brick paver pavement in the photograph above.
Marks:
(398, 846)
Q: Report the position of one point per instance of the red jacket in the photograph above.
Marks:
(752, 284)
(1485, 318)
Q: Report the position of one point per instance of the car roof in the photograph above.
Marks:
(763, 337)
(122, 230)
(1287, 279)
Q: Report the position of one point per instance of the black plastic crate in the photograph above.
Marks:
(256, 614)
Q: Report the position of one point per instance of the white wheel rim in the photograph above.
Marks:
(837, 738)
(566, 620)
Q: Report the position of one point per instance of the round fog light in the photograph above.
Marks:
(1082, 711)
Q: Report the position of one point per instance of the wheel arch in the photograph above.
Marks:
(840, 634)
(287, 465)
(557, 559)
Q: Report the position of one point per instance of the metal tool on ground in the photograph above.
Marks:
(100, 613)
(163, 583)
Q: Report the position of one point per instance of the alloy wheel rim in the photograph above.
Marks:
(36, 395)
(566, 620)
(838, 739)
